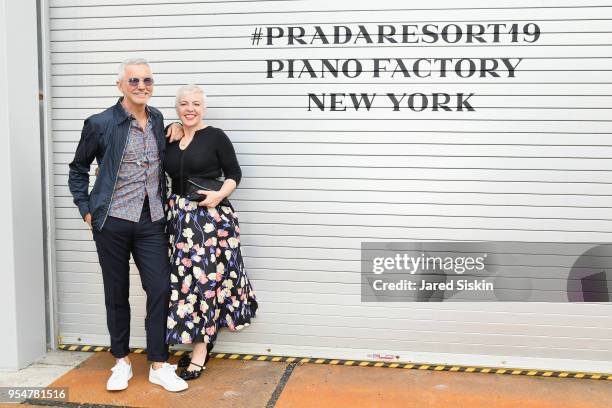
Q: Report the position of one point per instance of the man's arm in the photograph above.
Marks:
(78, 176)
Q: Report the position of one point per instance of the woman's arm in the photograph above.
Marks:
(231, 170)
(227, 158)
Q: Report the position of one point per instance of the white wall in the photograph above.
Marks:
(23, 298)
(522, 167)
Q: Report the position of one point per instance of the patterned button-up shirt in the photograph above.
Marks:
(139, 174)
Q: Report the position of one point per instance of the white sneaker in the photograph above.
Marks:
(118, 380)
(167, 378)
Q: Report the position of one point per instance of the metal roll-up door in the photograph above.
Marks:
(531, 163)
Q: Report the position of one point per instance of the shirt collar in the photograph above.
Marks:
(120, 113)
(128, 114)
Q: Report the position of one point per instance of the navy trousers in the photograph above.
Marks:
(148, 243)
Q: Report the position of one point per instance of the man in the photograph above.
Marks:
(125, 212)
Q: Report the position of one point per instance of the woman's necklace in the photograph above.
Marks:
(183, 145)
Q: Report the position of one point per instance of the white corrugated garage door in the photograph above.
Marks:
(532, 163)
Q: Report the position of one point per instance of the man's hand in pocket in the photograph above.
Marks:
(87, 219)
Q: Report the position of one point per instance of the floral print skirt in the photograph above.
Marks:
(209, 286)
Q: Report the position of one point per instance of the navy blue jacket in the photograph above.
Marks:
(104, 138)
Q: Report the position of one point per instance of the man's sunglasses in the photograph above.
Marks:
(148, 81)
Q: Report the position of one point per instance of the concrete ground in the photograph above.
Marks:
(44, 371)
(254, 384)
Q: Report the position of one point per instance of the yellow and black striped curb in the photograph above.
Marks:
(363, 363)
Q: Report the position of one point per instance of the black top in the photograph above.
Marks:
(209, 155)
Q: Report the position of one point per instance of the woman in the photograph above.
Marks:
(209, 286)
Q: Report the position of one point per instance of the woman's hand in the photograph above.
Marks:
(175, 132)
(213, 198)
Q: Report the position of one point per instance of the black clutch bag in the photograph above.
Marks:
(196, 183)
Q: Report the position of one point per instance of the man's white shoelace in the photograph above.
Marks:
(119, 367)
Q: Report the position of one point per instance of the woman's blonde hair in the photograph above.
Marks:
(189, 89)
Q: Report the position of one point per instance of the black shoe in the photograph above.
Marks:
(192, 375)
(184, 361)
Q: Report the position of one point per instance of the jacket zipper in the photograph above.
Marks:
(117, 176)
